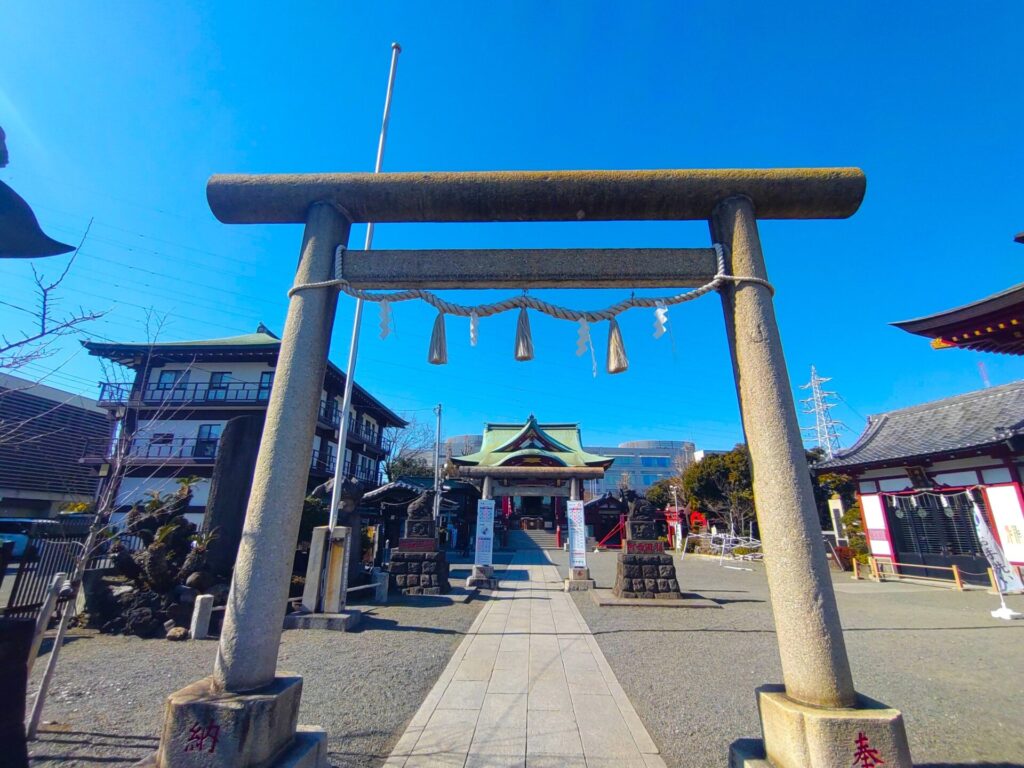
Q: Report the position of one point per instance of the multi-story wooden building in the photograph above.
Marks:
(169, 417)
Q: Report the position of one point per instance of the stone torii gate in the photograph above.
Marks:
(817, 718)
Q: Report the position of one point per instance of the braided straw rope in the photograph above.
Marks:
(531, 302)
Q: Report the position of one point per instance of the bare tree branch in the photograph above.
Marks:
(17, 353)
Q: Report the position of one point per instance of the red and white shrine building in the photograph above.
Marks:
(919, 470)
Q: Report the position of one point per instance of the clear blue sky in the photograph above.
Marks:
(121, 110)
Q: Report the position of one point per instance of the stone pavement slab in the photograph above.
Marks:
(528, 687)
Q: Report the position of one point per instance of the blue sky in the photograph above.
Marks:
(120, 111)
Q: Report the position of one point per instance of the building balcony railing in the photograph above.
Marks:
(232, 393)
(325, 464)
(154, 449)
(371, 475)
(358, 432)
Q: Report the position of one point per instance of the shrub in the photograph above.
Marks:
(845, 555)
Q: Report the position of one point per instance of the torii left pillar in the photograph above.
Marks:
(245, 714)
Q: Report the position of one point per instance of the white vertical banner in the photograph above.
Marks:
(577, 535)
(484, 532)
(1006, 575)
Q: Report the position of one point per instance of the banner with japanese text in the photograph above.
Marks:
(1007, 576)
(577, 535)
(484, 532)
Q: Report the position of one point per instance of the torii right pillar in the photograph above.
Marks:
(816, 719)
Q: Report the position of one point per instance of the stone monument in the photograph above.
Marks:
(229, 491)
(417, 567)
(643, 569)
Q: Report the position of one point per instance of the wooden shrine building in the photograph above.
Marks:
(532, 468)
(919, 470)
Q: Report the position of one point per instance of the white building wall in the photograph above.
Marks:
(133, 489)
(199, 373)
(180, 428)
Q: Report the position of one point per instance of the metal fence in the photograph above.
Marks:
(44, 557)
(47, 555)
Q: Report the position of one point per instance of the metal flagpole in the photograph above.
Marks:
(350, 373)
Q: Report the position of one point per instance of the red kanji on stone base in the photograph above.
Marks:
(866, 756)
(199, 735)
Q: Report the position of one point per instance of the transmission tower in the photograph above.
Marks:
(824, 430)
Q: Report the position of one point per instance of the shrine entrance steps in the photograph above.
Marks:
(523, 540)
(528, 687)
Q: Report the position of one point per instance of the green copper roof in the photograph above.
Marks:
(532, 444)
(261, 338)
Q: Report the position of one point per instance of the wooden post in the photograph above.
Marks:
(992, 581)
(957, 579)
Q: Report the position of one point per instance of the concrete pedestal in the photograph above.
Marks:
(482, 577)
(579, 580)
(801, 736)
(210, 728)
(343, 621)
(327, 549)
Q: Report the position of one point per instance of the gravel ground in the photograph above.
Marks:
(106, 704)
(935, 654)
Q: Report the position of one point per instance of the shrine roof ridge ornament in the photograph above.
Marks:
(506, 196)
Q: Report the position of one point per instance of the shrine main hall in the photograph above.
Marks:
(531, 470)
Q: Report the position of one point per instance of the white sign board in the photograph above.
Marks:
(1007, 576)
(484, 532)
(577, 535)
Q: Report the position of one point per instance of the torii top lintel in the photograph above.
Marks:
(777, 193)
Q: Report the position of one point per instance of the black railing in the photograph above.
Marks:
(371, 475)
(322, 462)
(230, 393)
(325, 463)
(362, 433)
(329, 413)
(187, 448)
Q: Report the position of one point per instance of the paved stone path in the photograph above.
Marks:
(527, 688)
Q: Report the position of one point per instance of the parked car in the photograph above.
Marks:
(17, 531)
(21, 530)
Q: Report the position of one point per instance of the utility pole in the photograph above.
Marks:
(819, 404)
(437, 467)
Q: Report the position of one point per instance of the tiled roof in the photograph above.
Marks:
(518, 443)
(971, 420)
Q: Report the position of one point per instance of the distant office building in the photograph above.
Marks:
(42, 433)
(641, 463)
(705, 452)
